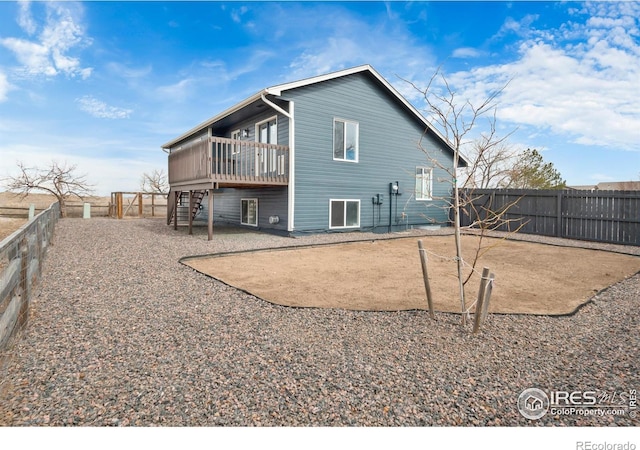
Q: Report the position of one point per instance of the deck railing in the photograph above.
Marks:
(218, 159)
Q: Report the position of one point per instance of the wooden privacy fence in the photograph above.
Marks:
(21, 257)
(602, 216)
(137, 204)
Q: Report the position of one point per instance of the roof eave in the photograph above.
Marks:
(214, 119)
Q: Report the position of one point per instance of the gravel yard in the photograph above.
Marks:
(121, 333)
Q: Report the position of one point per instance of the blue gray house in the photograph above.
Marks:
(336, 152)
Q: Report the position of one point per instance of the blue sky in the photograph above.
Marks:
(104, 84)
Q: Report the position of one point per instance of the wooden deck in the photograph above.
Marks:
(216, 162)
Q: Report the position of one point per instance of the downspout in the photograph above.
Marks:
(292, 146)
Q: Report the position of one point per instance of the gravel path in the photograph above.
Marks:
(122, 334)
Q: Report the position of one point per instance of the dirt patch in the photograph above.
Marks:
(8, 226)
(41, 201)
(10, 200)
(386, 275)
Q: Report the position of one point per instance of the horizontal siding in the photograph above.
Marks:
(226, 206)
(388, 151)
(283, 127)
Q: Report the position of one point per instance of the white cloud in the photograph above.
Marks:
(129, 72)
(33, 56)
(236, 14)
(583, 91)
(212, 75)
(521, 27)
(177, 92)
(336, 53)
(4, 87)
(100, 109)
(466, 52)
(25, 20)
(348, 40)
(47, 54)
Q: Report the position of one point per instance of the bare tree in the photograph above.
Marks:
(485, 217)
(456, 120)
(155, 182)
(58, 179)
(491, 161)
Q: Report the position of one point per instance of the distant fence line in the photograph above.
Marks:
(73, 210)
(21, 257)
(122, 204)
(602, 216)
(132, 204)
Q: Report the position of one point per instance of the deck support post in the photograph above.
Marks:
(176, 194)
(210, 215)
(190, 212)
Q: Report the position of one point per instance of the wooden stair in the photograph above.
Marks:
(196, 202)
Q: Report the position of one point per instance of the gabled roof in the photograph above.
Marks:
(277, 91)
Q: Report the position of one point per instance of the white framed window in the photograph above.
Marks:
(236, 136)
(424, 183)
(345, 140)
(266, 133)
(249, 211)
(344, 213)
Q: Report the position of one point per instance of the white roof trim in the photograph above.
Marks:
(277, 89)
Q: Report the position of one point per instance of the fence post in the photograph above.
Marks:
(119, 204)
(24, 283)
(32, 211)
(480, 301)
(559, 214)
(140, 209)
(425, 276)
(487, 298)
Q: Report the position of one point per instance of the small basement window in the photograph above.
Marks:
(249, 214)
(344, 213)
